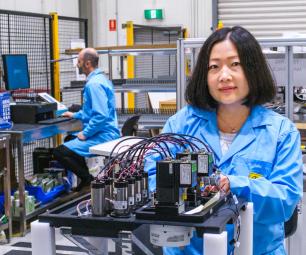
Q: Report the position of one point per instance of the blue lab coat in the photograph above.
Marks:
(98, 114)
(268, 147)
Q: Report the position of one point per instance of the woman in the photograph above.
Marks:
(257, 150)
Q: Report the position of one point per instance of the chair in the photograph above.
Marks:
(74, 108)
(291, 224)
(130, 126)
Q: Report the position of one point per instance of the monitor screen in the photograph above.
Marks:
(16, 72)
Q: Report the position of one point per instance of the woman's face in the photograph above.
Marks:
(227, 83)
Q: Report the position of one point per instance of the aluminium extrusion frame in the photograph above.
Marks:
(137, 50)
(193, 43)
(134, 52)
(145, 121)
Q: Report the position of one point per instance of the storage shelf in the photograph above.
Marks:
(162, 49)
(145, 88)
(162, 84)
(146, 120)
(159, 84)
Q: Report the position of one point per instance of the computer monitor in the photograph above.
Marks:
(16, 72)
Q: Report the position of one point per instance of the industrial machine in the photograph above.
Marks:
(186, 185)
(187, 200)
(32, 112)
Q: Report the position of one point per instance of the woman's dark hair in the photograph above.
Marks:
(257, 72)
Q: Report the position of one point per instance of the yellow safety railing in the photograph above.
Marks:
(130, 61)
(56, 65)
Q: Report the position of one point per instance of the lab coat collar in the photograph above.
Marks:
(93, 73)
(257, 117)
(210, 134)
(245, 136)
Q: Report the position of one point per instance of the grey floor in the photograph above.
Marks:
(22, 246)
(138, 243)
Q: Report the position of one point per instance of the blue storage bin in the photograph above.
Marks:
(39, 194)
(1, 204)
(5, 113)
(43, 197)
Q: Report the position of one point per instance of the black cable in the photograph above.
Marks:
(158, 144)
(172, 135)
(128, 138)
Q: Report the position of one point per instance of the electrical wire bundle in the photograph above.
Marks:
(132, 159)
(122, 184)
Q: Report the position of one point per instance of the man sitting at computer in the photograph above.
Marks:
(98, 116)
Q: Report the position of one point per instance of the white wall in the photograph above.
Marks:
(62, 7)
(195, 15)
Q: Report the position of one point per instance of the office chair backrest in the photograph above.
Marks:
(130, 126)
(291, 224)
(74, 108)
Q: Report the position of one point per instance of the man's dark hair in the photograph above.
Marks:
(93, 58)
(261, 84)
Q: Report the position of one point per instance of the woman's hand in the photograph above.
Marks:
(224, 183)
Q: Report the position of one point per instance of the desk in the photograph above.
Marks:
(25, 133)
(212, 229)
(5, 144)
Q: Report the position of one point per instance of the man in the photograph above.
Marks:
(98, 116)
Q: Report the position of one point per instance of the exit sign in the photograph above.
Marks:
(153, 14)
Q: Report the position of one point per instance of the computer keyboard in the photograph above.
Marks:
(54, 120)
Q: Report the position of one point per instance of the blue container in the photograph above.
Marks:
(43, 197)
(39, 194)
(1, 204)
(5, 112)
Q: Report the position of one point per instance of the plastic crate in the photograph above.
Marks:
(39, 194)
(5, 112)
(45, 197)
(1, 204)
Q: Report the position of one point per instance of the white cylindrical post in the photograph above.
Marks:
(215, 244)
(246, 232)
(43, 238)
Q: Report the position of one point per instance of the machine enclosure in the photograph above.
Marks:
(172, 176)
(31, 113)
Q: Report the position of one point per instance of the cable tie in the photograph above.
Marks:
(239, 220)
(235, 199)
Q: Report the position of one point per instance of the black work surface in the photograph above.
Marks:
(66, 216)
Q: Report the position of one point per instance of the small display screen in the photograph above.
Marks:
(16, 72)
